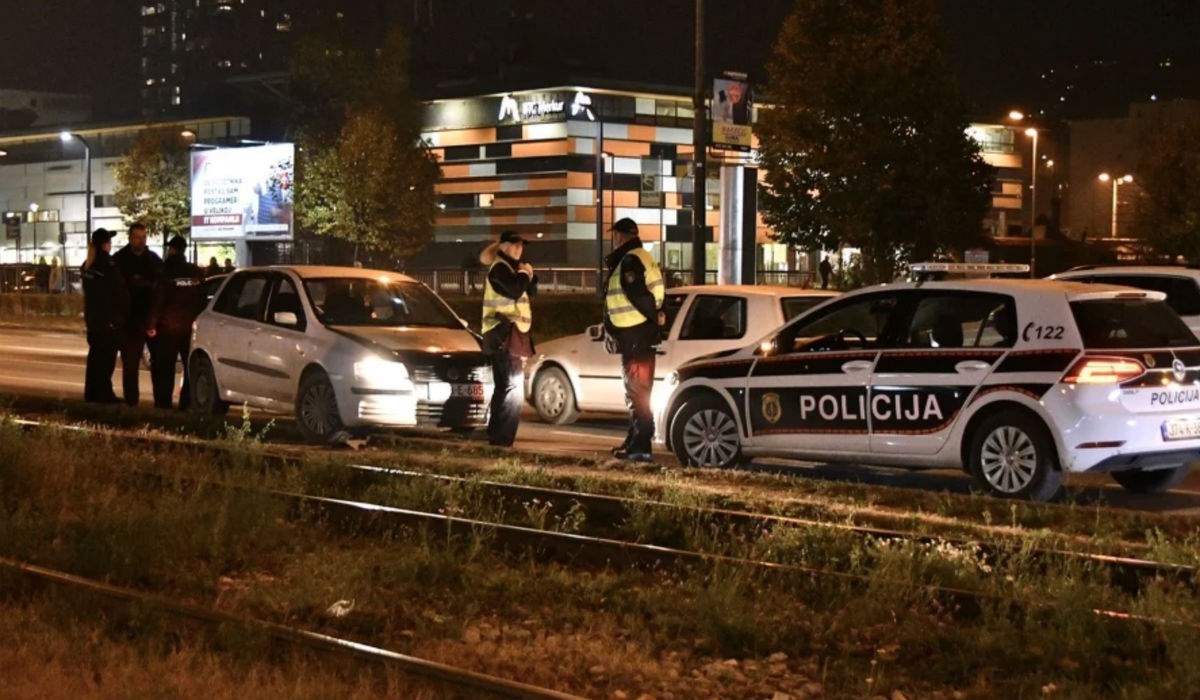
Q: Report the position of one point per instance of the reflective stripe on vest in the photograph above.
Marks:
(621, 312)
(497, 306)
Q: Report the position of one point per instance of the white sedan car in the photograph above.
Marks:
(1015, 381)
(574, 373)
(342, 348)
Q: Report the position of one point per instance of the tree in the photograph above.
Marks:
(364, 175)
(867, 143)
(153, 184)
(1169, 175)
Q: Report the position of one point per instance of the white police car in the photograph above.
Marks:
(1015, 381)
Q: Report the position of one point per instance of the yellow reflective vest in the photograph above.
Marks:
(621, 312)
(497, 306)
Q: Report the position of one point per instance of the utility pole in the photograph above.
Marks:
(699, 153)
(599, 187)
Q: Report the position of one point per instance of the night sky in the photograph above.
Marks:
(999, 49)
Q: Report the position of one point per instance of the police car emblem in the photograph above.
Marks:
(772, 410)
(1149, 360)
(1179, 370)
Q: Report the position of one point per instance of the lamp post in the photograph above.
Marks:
(1116, 182)
(1033, 133)
(66, 137)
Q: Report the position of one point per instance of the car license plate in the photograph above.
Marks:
(470, 391)
(1181, 429)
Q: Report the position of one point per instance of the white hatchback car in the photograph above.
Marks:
(342, 348)
(1014, 381)
(574, 373)
(1180, 284)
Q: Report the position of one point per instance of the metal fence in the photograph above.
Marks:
(582, 280)
(22, 277)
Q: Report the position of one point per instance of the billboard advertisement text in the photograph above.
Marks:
(243, 193)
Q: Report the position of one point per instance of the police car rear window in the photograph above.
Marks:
(1129, 323)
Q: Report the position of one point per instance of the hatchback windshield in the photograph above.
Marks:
(1129, 323)
(354, 301)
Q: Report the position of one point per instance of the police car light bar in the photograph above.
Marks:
(969, 268)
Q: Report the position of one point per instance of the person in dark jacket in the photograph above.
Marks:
(105, 313)
(141, 267)
(213, 269)
(507, 320)
(632, 316)
(178, 299)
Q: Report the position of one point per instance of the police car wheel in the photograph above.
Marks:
(1140, 481)
(206, 395)
(553, 397)
(317, 414)
(1013, 456)
(704, 434)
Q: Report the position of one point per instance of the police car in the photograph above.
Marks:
(1015, 381)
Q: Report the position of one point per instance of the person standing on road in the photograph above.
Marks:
(178, 299)
(507, 319)
(105, 313)
(826, 270)
(141, 267)
(632, 316)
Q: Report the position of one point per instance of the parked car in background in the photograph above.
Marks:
(1017, 382)
(1180, 284)
(574, 373)
(341, 348)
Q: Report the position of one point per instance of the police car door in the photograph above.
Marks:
(808, 393)
(952, 340)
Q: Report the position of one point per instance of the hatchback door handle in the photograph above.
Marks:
(972, 366)
(858, 366)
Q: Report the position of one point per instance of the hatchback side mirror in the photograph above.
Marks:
(286, 318)
(596, 332)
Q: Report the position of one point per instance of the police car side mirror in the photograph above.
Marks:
(596, 332)
(286, 318)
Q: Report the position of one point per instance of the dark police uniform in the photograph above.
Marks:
(506, 323)
(178, 298)
(105, 313)
(141, 272)
(631, 305)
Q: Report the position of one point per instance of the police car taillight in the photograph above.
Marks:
(1103, 370)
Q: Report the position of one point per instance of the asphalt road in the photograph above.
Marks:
(50, 364)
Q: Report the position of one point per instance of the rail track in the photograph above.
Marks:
(438, 672)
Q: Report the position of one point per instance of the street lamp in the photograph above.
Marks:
(1016, 115)
(1116, 182)
(66, 137)
(1033, 133)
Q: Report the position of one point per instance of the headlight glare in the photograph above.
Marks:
(376, 372)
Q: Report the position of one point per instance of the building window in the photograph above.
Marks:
(104, 200)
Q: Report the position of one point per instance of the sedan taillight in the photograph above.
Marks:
(1103, 370)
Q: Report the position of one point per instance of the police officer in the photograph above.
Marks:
(632, 316)
(178, 298)
(506, 322)
(141, 267)
(105, 313)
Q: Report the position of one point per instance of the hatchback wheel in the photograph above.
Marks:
(317, 414)
(1140, 481)
(705, 434)
(206, 395)
(553, 397)
(1012, 455)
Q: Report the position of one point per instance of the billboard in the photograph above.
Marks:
(243, 193)
(732, 113)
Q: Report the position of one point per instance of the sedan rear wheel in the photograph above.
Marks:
(553, 397)
(704, 434)
(1013, 456)
(206, 395)
(317, 413)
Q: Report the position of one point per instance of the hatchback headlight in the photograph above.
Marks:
(378, 373)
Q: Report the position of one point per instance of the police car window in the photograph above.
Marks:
(1129, 323)
(715, 318)
(243, 296)
(672, 303)
(794, 306)
(962, 320)
(285, 298)
(1182, 294)
(843, 327)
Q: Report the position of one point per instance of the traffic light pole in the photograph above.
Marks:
(699, 154)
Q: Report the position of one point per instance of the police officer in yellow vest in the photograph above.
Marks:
(633, 316)
(506, 323)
